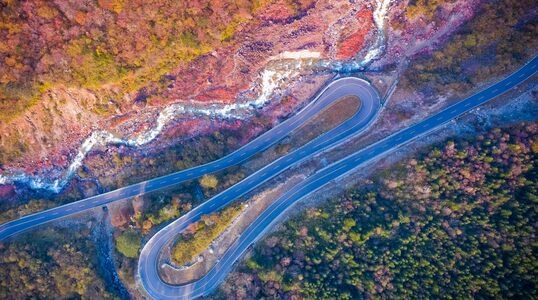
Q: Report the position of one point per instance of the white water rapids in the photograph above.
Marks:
(270, 80)
(376, 49)
(380, 16)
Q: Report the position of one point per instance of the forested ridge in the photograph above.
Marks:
(92, 44)
(500, 38)
(52, 263)
(459, 222)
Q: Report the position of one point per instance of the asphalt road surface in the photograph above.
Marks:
(149, 257)
(332, 92)
(147, 269)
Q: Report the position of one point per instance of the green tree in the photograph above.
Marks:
(209, 182)
(128, 243)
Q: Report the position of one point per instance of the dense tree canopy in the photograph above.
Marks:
(498, 39)
(51, 264)
(458, 223)
(92, 43)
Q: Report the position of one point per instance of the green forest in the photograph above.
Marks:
(460, 222)
(199, 235)
(501, 37)
(52, 263)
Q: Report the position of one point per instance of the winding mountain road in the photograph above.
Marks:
(148, 268)
(332, 92)
(149, 257)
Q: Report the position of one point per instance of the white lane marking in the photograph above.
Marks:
(454, 111)
(495, 90)
(336, 171)
(56, 213)
(481, 97)
(69, 209)
(232, 256)
(467, 104)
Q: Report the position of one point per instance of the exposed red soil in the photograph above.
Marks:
(277, 12)
(354, 42)
(223, 94)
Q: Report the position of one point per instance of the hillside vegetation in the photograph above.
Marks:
(90, 44)
(460, 222)
(500, 38)
(52, 264)
(199, 235)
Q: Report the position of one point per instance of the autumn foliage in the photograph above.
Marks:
(199, 235)
(352, 44)
(92, 44)
(499, 39)
(459, 222)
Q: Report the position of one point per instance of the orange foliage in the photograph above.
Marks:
(80, 17)
(353, 43)
(112, 5)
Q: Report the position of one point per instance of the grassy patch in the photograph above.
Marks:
(199, 235)
(327, 119)
(128, 243)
